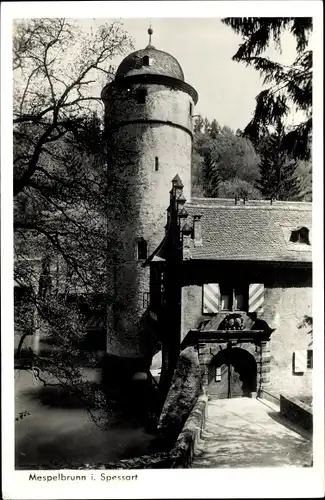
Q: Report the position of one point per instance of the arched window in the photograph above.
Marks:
(145, 61)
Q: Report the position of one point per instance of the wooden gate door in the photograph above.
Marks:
(235, 389)
(224, 382)
(232, 374)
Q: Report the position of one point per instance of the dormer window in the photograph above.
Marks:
(141, 95)
(300, 235)
(145, 61)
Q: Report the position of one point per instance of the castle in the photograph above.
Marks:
(231, 277)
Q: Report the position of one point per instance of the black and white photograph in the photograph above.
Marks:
(163, 179)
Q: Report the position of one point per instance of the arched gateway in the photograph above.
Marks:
(234, 363)
(232, 372)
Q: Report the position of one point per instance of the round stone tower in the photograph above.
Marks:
(148, 120)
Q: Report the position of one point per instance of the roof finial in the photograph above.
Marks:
(150, 32)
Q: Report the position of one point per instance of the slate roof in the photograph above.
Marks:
(256, 231)
(161, 63)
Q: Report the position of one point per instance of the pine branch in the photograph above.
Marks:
(292, 84)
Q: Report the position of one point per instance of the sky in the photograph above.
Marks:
(204, 48)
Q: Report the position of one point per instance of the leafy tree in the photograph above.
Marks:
(289, 86)
(60, 248)
(47, 101)
(220, 155)
(278, 172)
(62, 194)
(198, 124)
(238, 188)
(235, 156)
(307, 322)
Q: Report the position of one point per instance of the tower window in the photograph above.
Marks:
(310, 358)
(141, 95)
(145, 61)
(142, 249)
(191, 109)
(146, 299)
(156, 163)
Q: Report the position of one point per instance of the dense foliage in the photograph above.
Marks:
(227, 165)
(224, 164)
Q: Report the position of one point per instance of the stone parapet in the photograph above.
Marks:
(297, 412)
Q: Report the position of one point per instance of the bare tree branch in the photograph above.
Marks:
(32, 46)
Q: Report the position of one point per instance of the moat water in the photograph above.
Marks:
(57, 431)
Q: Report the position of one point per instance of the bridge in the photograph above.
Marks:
(249, 432)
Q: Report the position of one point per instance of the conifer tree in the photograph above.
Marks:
(211, 176)
(214, 129)
(278, 171)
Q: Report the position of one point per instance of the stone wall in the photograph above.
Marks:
(183, 453)
(182, 395)
(291, 304)
(297, 412)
